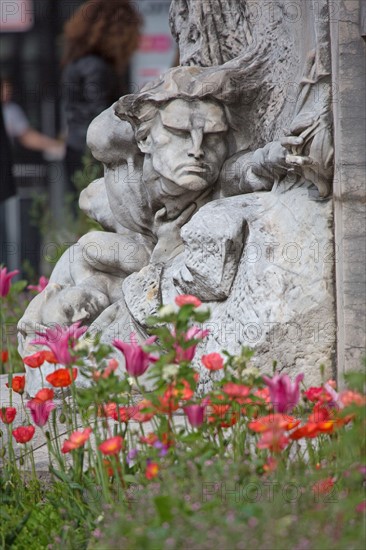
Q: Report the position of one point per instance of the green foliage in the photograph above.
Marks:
(178, 484)
(205, 503)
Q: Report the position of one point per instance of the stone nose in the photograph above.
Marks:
(196, 150)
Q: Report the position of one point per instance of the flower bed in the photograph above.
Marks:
(258, 462)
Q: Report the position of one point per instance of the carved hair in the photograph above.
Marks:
(233, 85)
(110, 29)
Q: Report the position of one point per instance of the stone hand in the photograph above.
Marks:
(294, 158)
(310, 150)
(269, 162)
(168, 233)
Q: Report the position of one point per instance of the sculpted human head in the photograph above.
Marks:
(187, 142)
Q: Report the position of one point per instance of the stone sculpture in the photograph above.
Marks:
(198, 198)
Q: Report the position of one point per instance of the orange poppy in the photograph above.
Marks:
(61, 378)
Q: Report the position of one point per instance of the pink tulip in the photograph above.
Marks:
(40, 411)
(195, 414)
(284, 394)
(60, 340)
(193, 333)
(42, 283)
(5, 280)
(137, 360)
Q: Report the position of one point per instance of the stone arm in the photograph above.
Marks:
(306, 152)
(213, 244)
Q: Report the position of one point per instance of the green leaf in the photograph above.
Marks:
(11, 537)
(355, 380)
(129, 478)
(18, 287)
(191, 438)
(164, 506)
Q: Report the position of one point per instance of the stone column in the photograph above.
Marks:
(349, 104)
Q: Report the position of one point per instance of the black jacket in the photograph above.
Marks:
(7, 184)
(89, 85)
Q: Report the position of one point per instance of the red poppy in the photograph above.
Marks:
(7, 414)
(77, 439)
(275, 440)
(17, 384)
(61, 378)
(187, 299)
(186, 392)
(37, 359)
(124, 414)
(169, 402)
(322, 413)
(50, 357)
(349, 397)
(108, 409)
(263, 393)
(145, 411)
(43, 395)
(111, 446)
(23, 434)
(318, 393)
(323, 486)
(308, 430)
(152, 470)
(213, 361)
(273, 421)
(236, 391)
(223, 414)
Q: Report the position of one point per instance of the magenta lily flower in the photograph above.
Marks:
(40, 411)
(5, 280)
(193, 333)
(61, 340)
(137, 360)
(284, 394)
(42, 283)
(195, 414)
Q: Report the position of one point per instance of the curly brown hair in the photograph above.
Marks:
(108, 28)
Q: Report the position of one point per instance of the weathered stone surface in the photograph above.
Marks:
(210, 32)
(281, 300)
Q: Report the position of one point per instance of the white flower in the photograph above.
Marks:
(169, 371)
(100, 518)
(83, 345)
(166, 310)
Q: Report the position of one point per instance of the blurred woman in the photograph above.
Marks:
(99, 40)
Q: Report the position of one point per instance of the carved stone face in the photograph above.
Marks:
(187, 143)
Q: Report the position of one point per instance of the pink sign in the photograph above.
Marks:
(16, 15)
(155, 43)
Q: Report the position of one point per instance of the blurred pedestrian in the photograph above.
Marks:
(99, 40)
(18, 126)
(7, 186)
